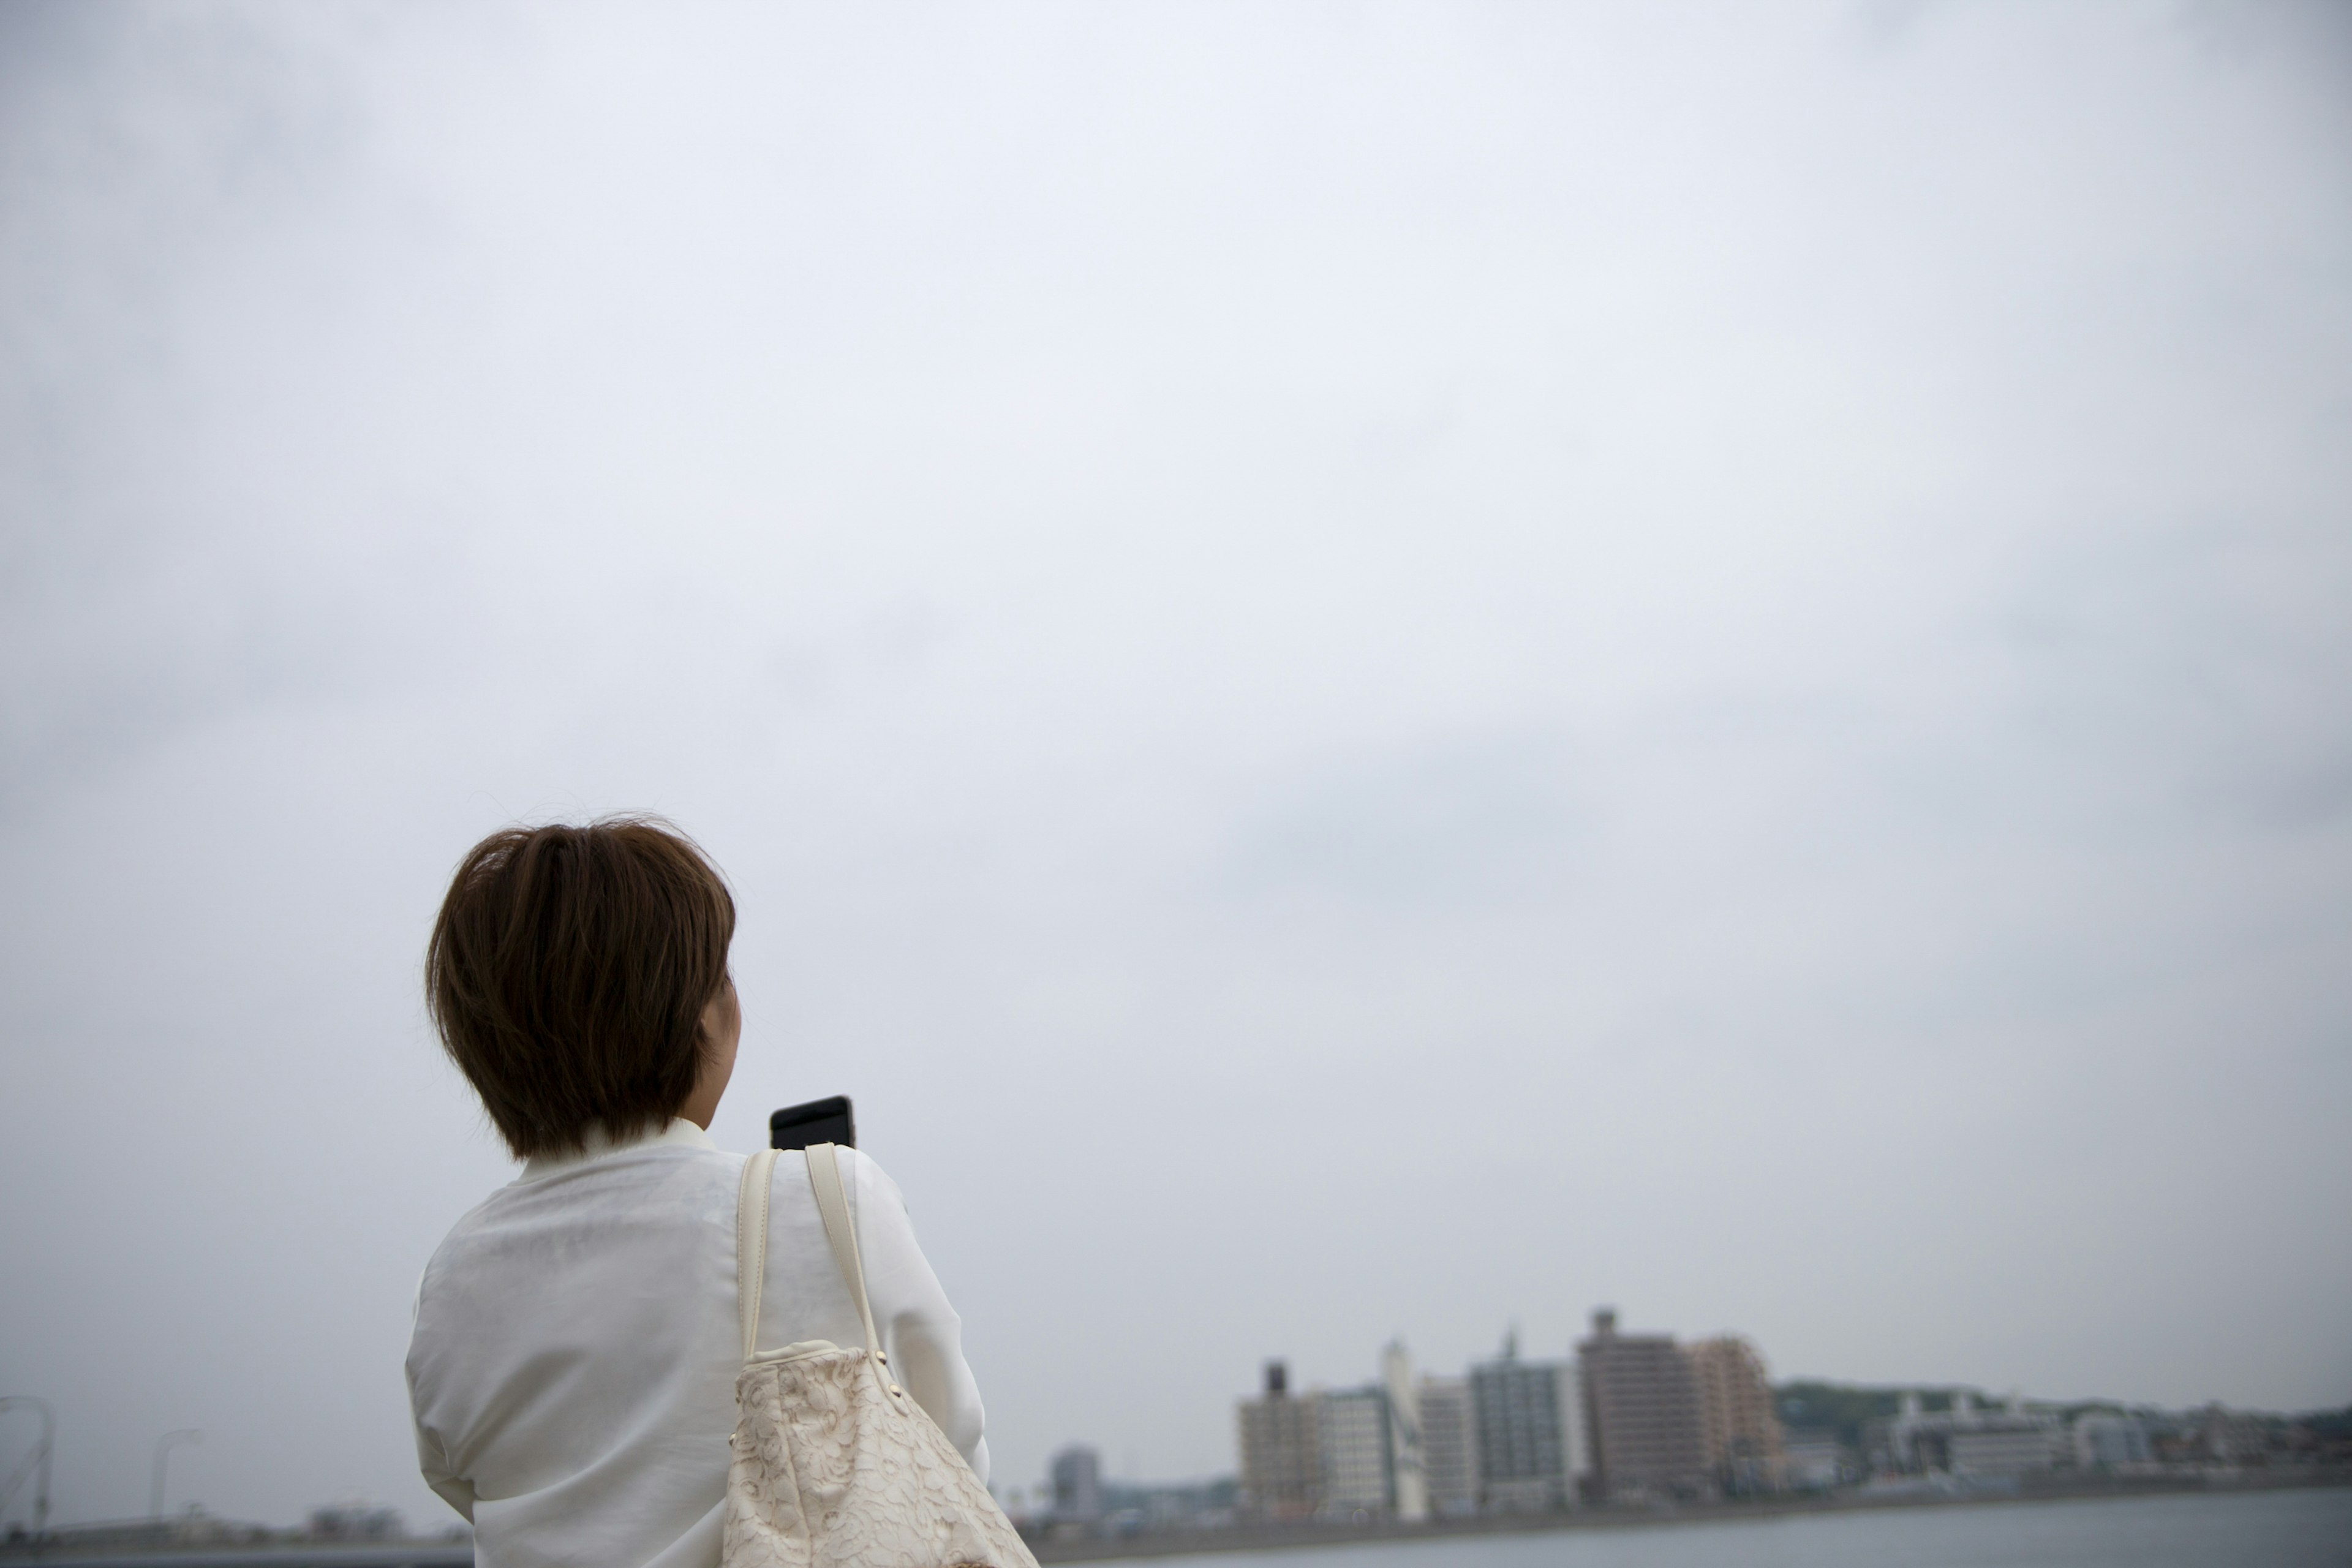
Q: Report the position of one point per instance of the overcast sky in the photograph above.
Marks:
(1364, 670)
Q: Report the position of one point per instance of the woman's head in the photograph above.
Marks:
(570, 974)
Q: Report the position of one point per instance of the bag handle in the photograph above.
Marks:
(751, 1243)
(832, 1207)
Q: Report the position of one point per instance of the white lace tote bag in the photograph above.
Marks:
(835, 1465)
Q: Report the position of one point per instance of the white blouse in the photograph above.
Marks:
(572, 1371)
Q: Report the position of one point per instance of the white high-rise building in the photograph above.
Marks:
(1353, 1426)
(1449, 1446)
(1575, 1436)
(1407, 1460)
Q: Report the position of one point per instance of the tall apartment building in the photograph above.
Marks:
(1352, 1429)
(1408, 1459)
(1642, 1411)
(1739, 1426)
(1077, 1473)
(1449, 1446)
(1281, 1450)
(1521, 1438)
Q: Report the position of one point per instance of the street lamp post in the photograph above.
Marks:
(164, 1447)
(37, 1462)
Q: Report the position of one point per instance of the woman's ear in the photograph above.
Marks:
(721, 1031)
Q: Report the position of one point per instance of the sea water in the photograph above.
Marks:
(2258, 1529)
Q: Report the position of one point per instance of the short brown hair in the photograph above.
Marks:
(568, 972)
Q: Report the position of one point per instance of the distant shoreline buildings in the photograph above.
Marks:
(1640, 1418)
(1629, 1417)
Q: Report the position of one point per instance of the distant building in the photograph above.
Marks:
(1813, 1460)
(1408, 1460)
(2001, 1447)
(356, 1521)
(1641, 1409)
(1520, 1437)
(1281, 1451)
(2103, 1440)
(1964, 1441)
(1133, 1507)
(1078, 1485)
(2226, 1437)
(180, 1533)
(1352, 1425)
(1737, 1423)
(1575, 1437)
(1449, 1446)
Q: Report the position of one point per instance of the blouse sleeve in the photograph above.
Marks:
(454, 1491)
(432, 1456)
(921, 1332)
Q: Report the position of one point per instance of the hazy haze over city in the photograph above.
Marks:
(1364, 670)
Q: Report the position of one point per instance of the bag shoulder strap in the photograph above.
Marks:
(752, 1244)
(832, 1207)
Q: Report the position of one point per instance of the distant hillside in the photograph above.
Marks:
(1843, 1407)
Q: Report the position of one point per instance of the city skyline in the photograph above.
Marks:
(1078, 1478)
(1457, 1444)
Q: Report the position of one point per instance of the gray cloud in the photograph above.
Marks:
(1480, 819)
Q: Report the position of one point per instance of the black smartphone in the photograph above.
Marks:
(818, 1121)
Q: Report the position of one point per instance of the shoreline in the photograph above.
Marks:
(1608, 1517)
(443, 1553)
